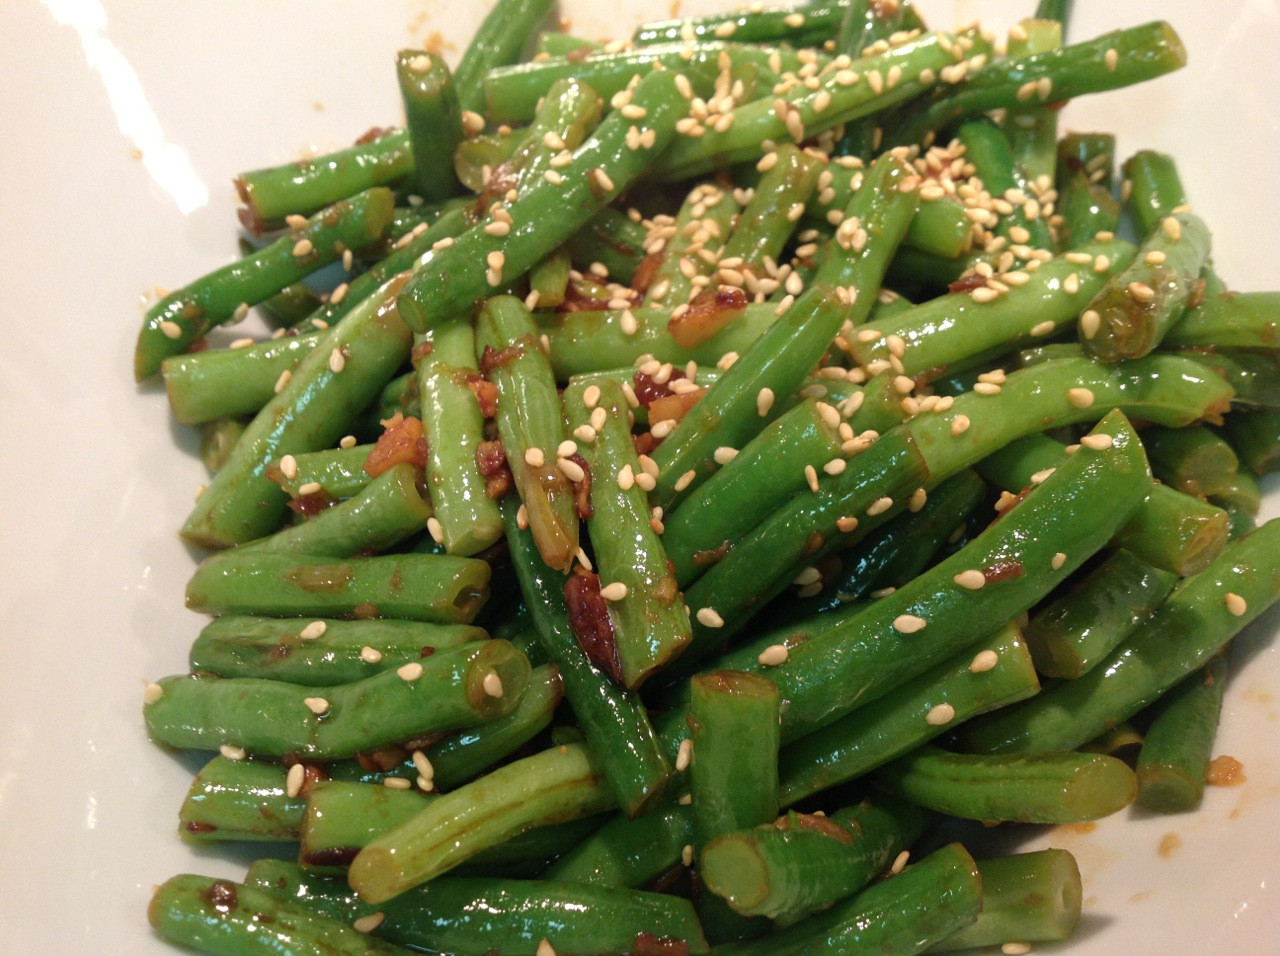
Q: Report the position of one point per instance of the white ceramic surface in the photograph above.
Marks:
(124, 123)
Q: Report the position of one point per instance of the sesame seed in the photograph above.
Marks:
(1154, 258)
(435, 529)
(570, 469)
(1172, 228)
(492, 684)
(581, 555)
(310, 488)
(317, 705)
(294, 780)
(545, 949)
(498, 228)
(626, 478)
(1043, 328)
(764, 401)
(986, 388)
(724, 454)
(1071, 284)
(313, 630)
(1111, 58)
(908, 623)
(614, 592)
(1058, 561)
(959, 425)
(337, 361)
(303, 247)
(983, 294)
(1016, 948)
(811, 477)
(940, 715)
(152, 693)
(1042, 476)
(917, 500)
(663, 428)
(1090, 322)
(232, 752)
(708, 617)
(472, 122)
(171, 329)
(685, 480)
(534, 457)
(367, 924)
(1236, 605)
(1101, 264)
(773, 655)
(1097, 442)
(1141, 292)
(410, 672)
(598, 419)
(553, 177)
(875, 81)
(396, 783)
(684, 756)
(686, 855)
(900, 862)
(601, 180)
(835, 466)
(846, 524)
(370, 655)
(971, 580)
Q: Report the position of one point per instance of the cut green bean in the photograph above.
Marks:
(987, 148)
(1193, 460)
(1241, 500)
(1194, 623)
(995, 672)
(241, 800)
(218, 383)
(469, 520)
(1175, 755)
(702, 224)
(182, 317)
(552, 786)
(804, 25)
(497, 42)
(648, 624)
(338, 471)
(530, 423)
(628, 852)
(1033, 131)
(341, 817)
(769, 217)
(217, 438)
(317, 652)
(433, 119)
(1249, 320)
(220, 916)
(455, 687)
(1084, 625)
(1031, 897)
(1039, 788)
(416, 587)
(1256, 438)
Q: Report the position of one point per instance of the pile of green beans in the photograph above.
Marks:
(725, 457)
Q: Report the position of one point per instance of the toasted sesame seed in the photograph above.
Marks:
(1111, 58)
(986, 388)
(900, 862)
(171, 329)
(983, 294)
(684, 756)
(614, 592)
(685, 480)
(1236, 605)
(764, 401)
(1013, 948)
(1043, 328)
(917, 500)
(811, 477)
(971, 580)
(396, 783)
(1141, 292)
(1080, 397)
(626, 478)
(313, 630)
(598, 419)
(1090, 323)
(570, 469)
(959, 425)
(545, 949)
(686, 855)
(940, 715)
(1097, 442)
(232, 752)
(152, 693)
(294, 780)
(600, 179)
(337, 361)
(310, 488)
(908, 623)
(435, 529)
(492, 684)
(498, 228)
(410, 672)
(1172, 228)
(534, 457)
(370, 655)
(367, 924)
(1059, 559)
(773, 655)
(317, 705)
(303, 247)
(708, 617)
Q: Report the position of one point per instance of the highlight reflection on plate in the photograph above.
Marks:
(126, 123)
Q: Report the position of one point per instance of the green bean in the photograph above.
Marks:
(1241, 499)
(628, 852)
(512, 94)
(583, 342)
(1255, 436)
(1154, 188)
(995, 672)
(383, 513)
(218, 383)
(923, 904)
(182, 317)
(341, 817)
(702, 225)
(453, 418)
(566, 115)
(240, 800)
(613, 719)
(952, 328)
(864, 24)
(555, 43)
(293, 303)
(1086, 208)
(219, 916)
(1131, 314)
(550, 279)
(217, 438)
(805, 25)
(317, 653)
(1141, 53)
(555, 785)
(338, 471)
(648, 624)
(310, 412)
(802, 862)
(455, 687)
(1175, 755)
(1202, 614)
(611, 238)
(529, 422)
(1231, 320)
(914, 64)
(417, 587)
(1027, 897)
(497, 42)
(544, 214)
(1038, 788)
(504, 917)
(1193, 460)
(768, 219)
(433, 119)
(766, 472)
(987, 148)
(731, 411)
(1254, 375)
(1033, 131)
(1077, 630)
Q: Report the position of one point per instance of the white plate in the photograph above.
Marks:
(124, 123)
